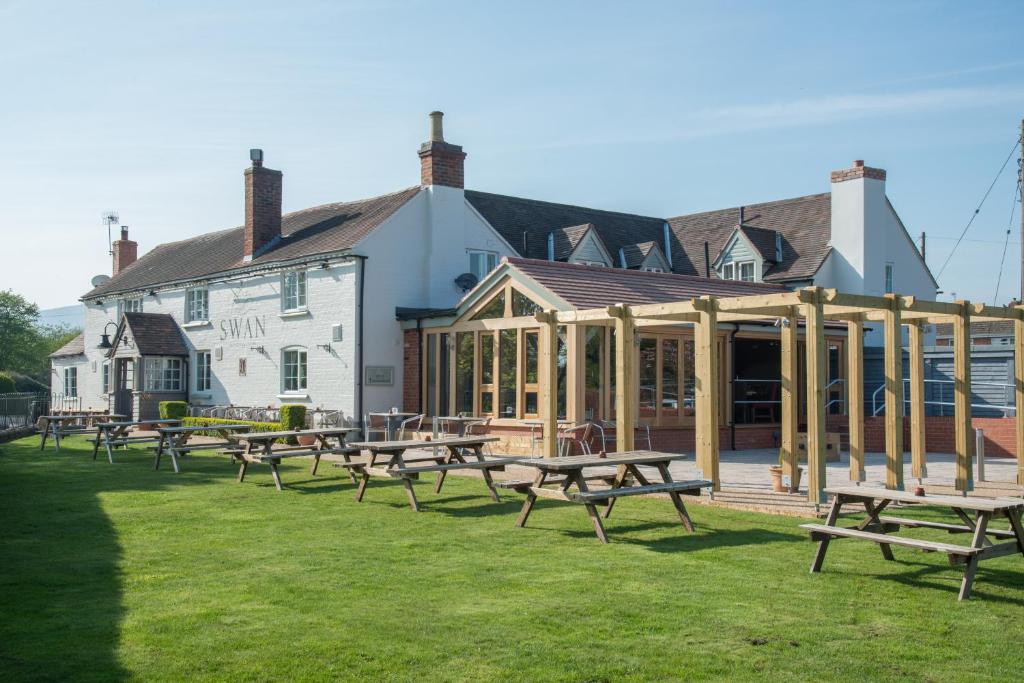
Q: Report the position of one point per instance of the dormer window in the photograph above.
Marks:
(742, 270)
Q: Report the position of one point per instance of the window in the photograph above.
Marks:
(482, 262)
(599, 264)
(197, 305)
(203, 374)
(742, 270)
(293, 370)
(728, 272)
(652, 269)
(294, 291)
(162, 374)
(746, 271)
(495, 308)
(888, 278)
(71, 381)
(106, 377)
(129, 306)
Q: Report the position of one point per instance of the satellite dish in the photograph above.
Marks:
(100, 279)
(466, 281)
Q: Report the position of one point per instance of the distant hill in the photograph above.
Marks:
(72, 316)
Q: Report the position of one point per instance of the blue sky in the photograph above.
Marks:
(655, 108)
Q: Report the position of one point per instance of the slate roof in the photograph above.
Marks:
(318, 230)
(153, 334)
(980, 328)
(567, 239)
(804, 222)
(761, 239)
(585, 287)
(75, 347)
(636, 253)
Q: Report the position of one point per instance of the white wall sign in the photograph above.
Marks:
(380, 375)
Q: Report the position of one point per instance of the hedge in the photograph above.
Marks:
(173, 410)
(254, 426)
(7, 384)
(293, 416)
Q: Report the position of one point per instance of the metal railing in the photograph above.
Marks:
(317, 417)
(22, 409)
(840, 401)
(1005, 409)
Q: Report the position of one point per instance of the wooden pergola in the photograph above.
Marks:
(812, 305)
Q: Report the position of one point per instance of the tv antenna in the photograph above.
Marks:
(110, 218)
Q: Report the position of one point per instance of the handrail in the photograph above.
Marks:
(876, 409)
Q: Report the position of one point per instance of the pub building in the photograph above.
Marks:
(423, 300)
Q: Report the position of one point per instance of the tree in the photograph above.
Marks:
(18, 334)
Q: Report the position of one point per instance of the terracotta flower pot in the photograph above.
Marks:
(306, 440)
(776, 473)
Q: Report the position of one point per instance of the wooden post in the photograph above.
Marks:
(963, 439)
(707, 381)
(893, 340)
(1018, 383)
(816, 352)
(625, 377)
(855, 396)
(789, 378)
(547, 366)
(918, 454)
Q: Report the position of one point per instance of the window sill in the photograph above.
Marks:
(297, 313)
(293, 397)
(197, 324)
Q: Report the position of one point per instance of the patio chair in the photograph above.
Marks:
(375, 423)
(641, 432)
(412, 424)
(479, 428)
(578, 436)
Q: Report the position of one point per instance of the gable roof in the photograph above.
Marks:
(526, 223)
(318, 230)
(762, 240)
(567, 239)
(75, 347)
(585, 287)
(153, 334)
(804, 222)
(635, 254)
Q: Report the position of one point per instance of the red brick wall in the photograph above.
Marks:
(126, 252)
(1000, 434)
(411, 372)
(442, 163)
(262, 207)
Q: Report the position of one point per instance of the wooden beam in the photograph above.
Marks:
(671, 309)
(758, 302)
(913, 304)
(983, 312)
(707, 381)
(1018, 384)
(918, 456)
(589, 316)
(893, 341)
(963, 437)
(625, 380)
(855, 396)
(547, 366)
(814, 340)
(790, 397)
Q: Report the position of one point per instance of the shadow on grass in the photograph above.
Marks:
(60, 557)
(947, 578)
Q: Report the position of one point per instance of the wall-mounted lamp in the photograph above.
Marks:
(105, 338)
(99, 302)
(325, 265)
(326, 347)
(152, 292)
(259, 349)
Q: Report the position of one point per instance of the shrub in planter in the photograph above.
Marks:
(253, 426)
(173, 410)
(294, 417)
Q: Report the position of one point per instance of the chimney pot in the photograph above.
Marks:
(858, 163)
(441, 163)
(124, 232)
(436, 126)
(256, 157)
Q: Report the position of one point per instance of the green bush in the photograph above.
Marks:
(254, 426)
(173, 410)
(7, 385)
(293, 416)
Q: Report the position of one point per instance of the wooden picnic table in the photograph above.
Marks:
(876, 528)
(58, 426)
(453, 458)
(175, 440)
(112, 434)
(258, 447)
(570, 471)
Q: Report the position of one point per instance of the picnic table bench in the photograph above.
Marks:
(569, 472)
(453, 458)
(113, 434)
(878, 529)
(258, 447)
(175, 440)
(65, 425)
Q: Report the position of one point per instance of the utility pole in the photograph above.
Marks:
(1020, 186)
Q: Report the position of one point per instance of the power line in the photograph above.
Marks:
(1009, 229)
(978, 210)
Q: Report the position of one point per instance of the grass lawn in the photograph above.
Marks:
(121, 572)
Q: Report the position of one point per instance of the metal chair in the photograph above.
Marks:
(578, 435)
(641, 432)
(375, 423)
(412, 424)
(479, 428)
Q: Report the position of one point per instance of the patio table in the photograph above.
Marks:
(877, 528)
(258, 447)
(571, 469)
(112, 434)
(454, 458)
(393, 422)
(59, 425)
(175, 440)
(460, 422)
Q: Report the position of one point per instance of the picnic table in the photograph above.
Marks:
(453, 458)
(112, 434)
(570, 471)
(62, 425)
(258, 447)
(876, 528)
(175, 440)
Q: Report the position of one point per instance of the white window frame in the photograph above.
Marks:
(489, 261)
(204, 372)
(753, 271)
(132, 305)
(728, 271)
(652, 269)
(598, 264)
(71, 381)
(889, 289)
(293, 290)
(105, 382)
(301, 375)
(197, 305)
(163, 374)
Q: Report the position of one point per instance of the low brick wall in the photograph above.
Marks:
(1000, 435)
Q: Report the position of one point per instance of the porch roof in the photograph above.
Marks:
(153, 334)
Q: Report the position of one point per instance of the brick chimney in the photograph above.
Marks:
(262, 206)
(859, 170)
(441, 163)
(126, 251)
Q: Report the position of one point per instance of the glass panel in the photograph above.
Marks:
(611, 373)
(507, 369)
(431, 374)
(747, 272)
(530, 397)
(648, 374)
(689, 382)
(487, 359)
(834, 397)
(487, 403)
(494, 309)
(443, 375)
(670, 379)
(464, 373)
(522, 305)
(756, 386)
(532, 348)
(563, 375)
(592, 368)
